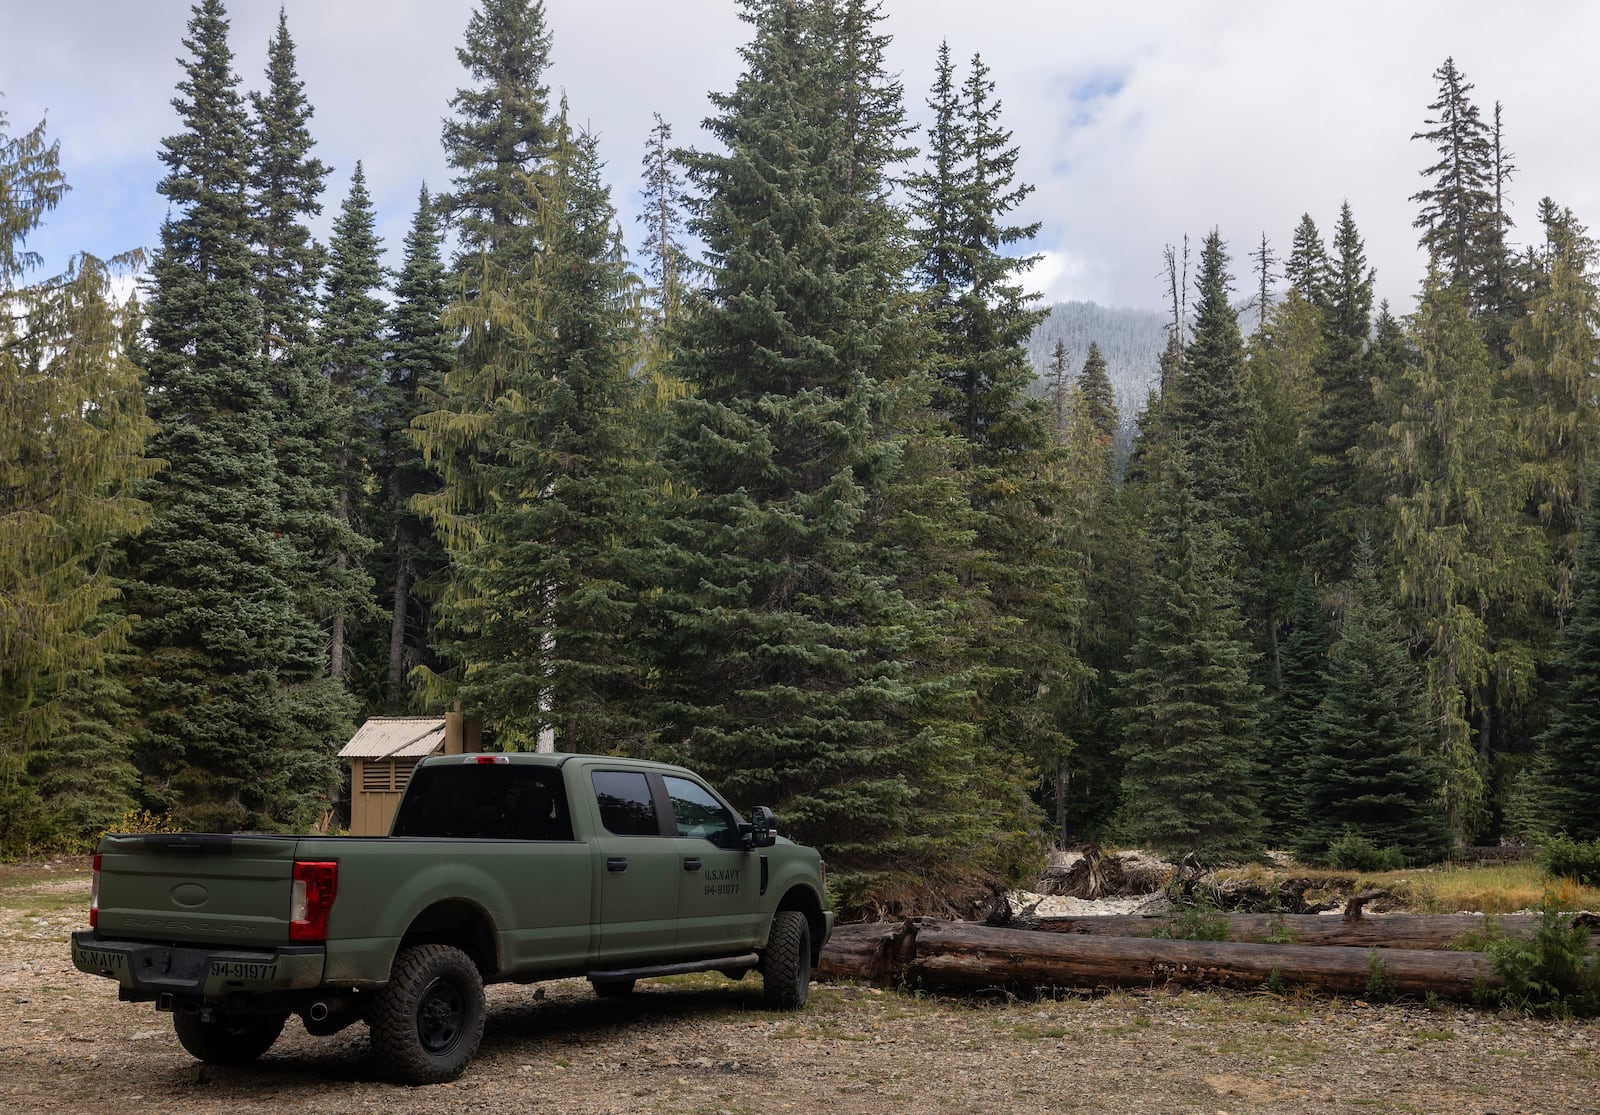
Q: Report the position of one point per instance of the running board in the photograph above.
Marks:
(723, 964)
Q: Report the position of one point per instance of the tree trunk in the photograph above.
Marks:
(957, 955)
(399, 608)
(1393, 931)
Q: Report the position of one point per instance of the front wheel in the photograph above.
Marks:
(227, 1041)
(786, 961)
(427, 1022)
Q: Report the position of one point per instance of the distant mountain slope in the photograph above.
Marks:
(1131, 340)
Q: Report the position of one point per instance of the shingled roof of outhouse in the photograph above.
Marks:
(396, 737)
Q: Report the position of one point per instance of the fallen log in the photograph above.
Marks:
(1393, 931)
(964, 955)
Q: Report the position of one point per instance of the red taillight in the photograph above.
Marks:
(311, 899)
(94, 895)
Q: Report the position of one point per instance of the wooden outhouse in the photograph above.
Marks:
(383, 753)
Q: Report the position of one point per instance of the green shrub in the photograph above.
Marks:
(1200, 922)
(1354, 852)
(1562, 858)
(1554, 972)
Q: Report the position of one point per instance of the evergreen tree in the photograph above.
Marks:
(662, 217)
(1281, 386)
(1209, 408)
(1099, 398)
(285, 187)
(72, 431)
(801, 664)
(351, 345)
(1307, 269)
(539, 619)
(418, 356)
(1341, 501)
(235, 730)
(1567, 774)
(1058, 389)
(1463, 560)
(1292, 734)
(1367, 772)
(1186, 707)
(500, 133)
(1458, 214)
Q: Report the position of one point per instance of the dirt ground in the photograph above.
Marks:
(703, 1045)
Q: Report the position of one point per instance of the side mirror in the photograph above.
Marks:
(762, 829)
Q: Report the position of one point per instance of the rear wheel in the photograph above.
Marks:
(786, 961)
(427, 1022)
(225, 1040)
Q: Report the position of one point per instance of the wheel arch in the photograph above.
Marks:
(462, 924)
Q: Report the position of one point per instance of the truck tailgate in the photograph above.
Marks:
(196, 888)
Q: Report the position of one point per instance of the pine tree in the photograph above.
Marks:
(662, 217)
(1567, 772)
(1307, 269)
(1099, 398)
(500, 132)
(1292, 733)
(1341, 500)
(1209, 407)
(1367, 772)
(1463, 560)
(1186, 707)
(351, 346)
(285, 189)
(286, 183)
(72, 431)
(235, 730)
(539, 619)
(1458, 216)
(802, 664)
(418, 356)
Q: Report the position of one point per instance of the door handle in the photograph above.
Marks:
(616, 863)
(692, 863)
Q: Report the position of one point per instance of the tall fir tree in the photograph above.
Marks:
(802, 667)
(1307, 269)
(1209, 408)
(417, 357)
(235, 728)
(1099, 397)
(540, 625)
(1458, 215)
(73, 427)
(1291, 735)
(662, 215)
(351, 345)
(499, 133)
(1566, 774)
(1186, 704)
(1343, 502)
(1463, 560)
(1369, 771)
(285, 190)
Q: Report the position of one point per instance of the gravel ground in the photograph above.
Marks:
(702, 1044)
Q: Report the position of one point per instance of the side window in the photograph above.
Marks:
(698, 813)
(626, 807)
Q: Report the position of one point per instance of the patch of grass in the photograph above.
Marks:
(1435, 1035)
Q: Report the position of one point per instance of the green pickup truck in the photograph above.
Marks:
(499, 867)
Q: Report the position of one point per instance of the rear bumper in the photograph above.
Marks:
(147, 971)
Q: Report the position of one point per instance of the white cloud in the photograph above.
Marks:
(1137, 122)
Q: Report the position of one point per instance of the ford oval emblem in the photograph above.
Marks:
(189, 894)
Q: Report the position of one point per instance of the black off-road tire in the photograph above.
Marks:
(427, 1022)
(612, 988)
(227, 1041)
(786, 961)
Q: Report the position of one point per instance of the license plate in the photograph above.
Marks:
(244, 969)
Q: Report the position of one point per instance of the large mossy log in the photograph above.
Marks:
(963, 955)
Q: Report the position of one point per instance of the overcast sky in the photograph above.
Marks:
(1138, 122)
